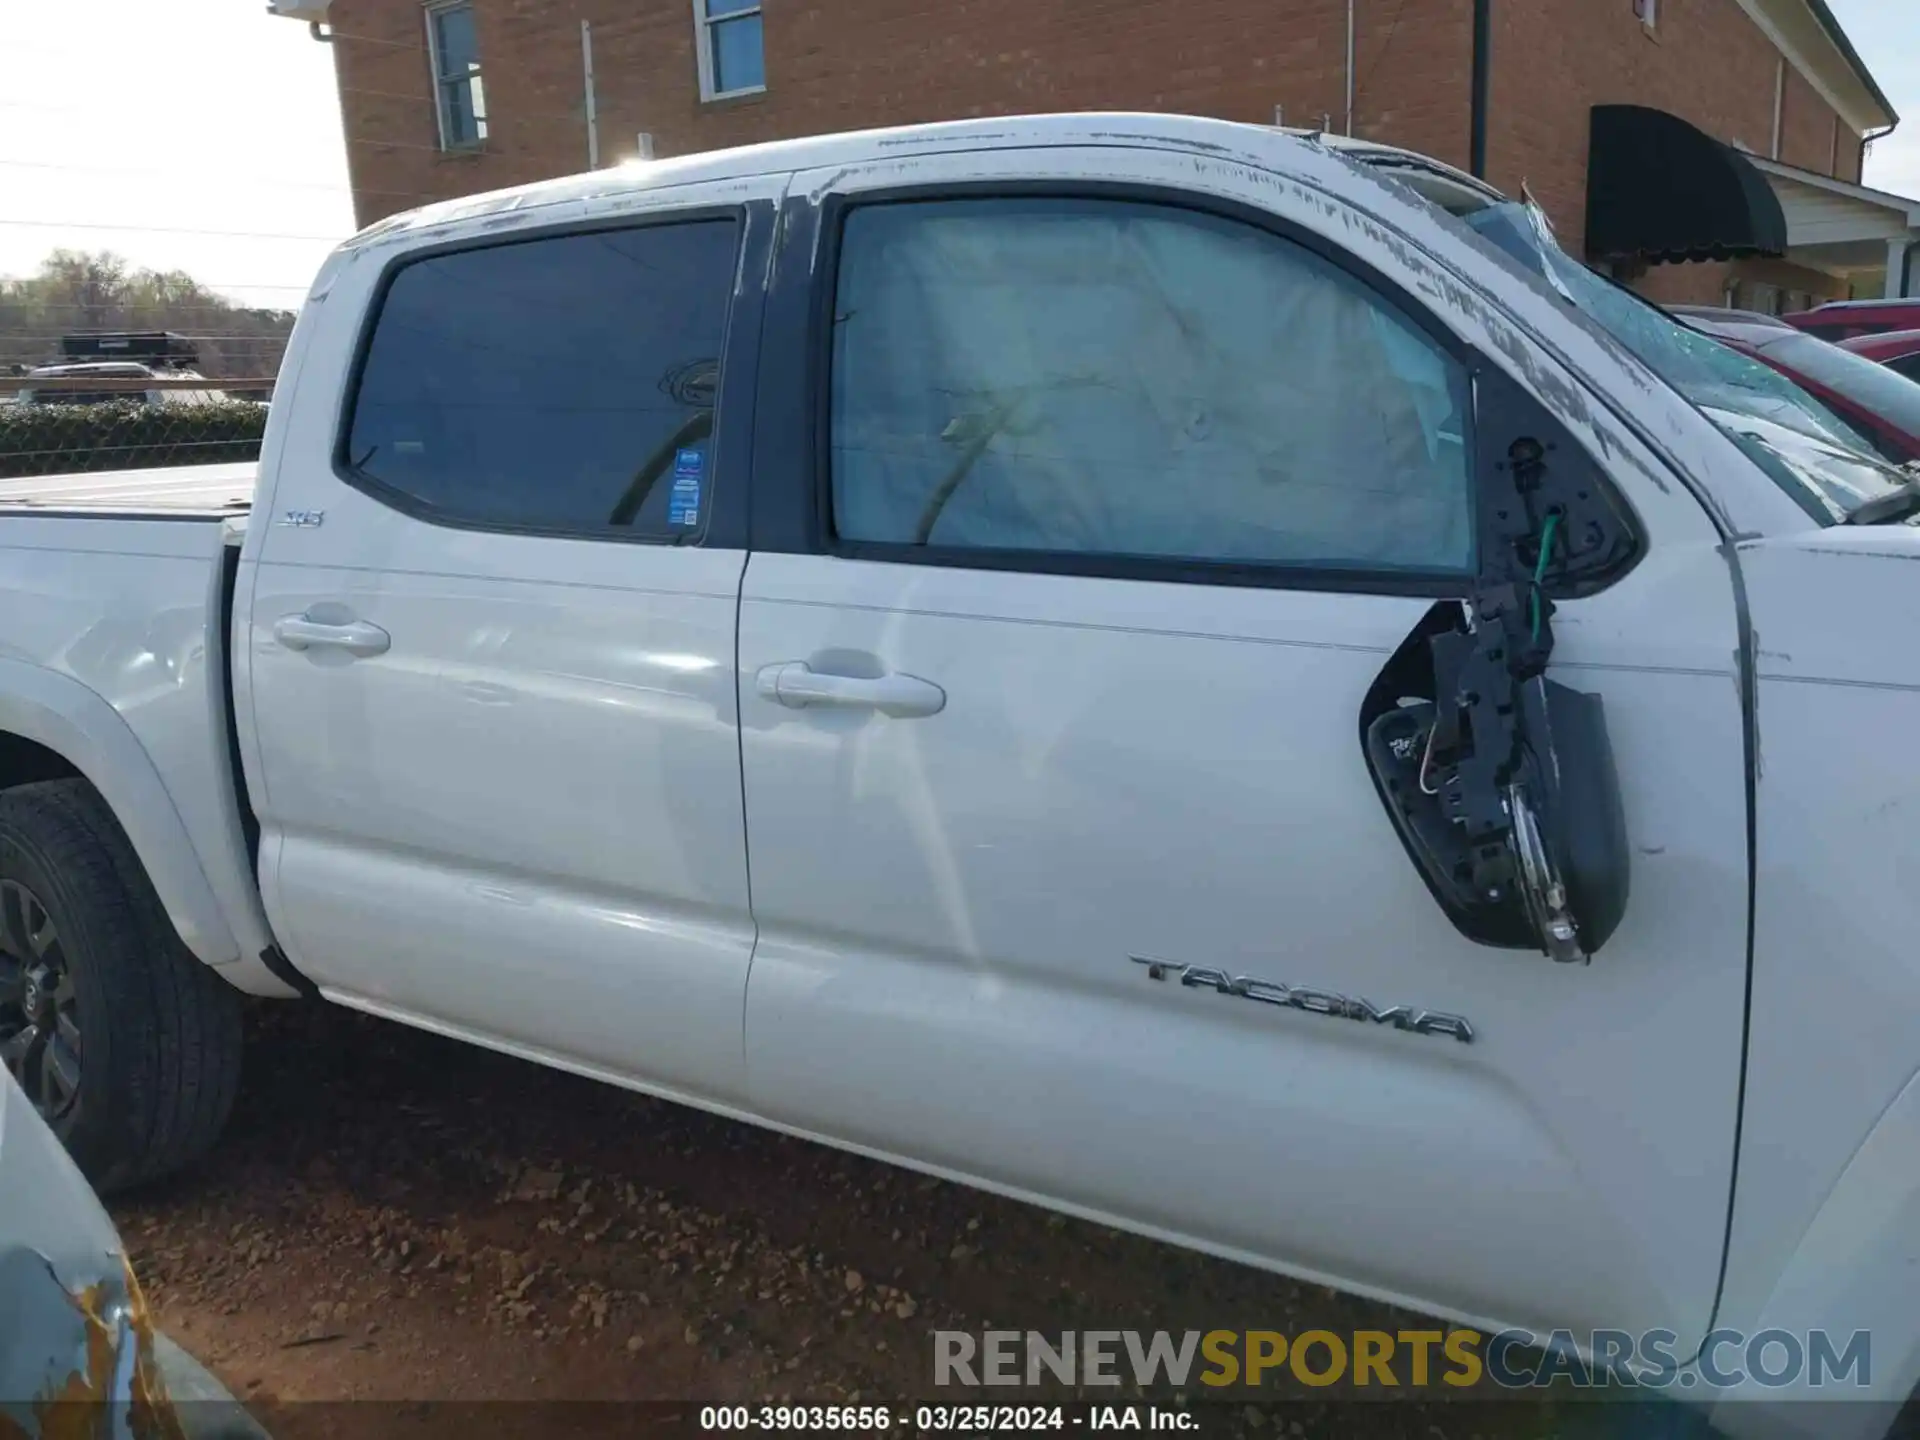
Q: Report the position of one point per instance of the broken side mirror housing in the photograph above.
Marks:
(1584, 824)
(1563, 858)
(1500, 782)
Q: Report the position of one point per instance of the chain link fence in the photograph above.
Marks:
(58, 433)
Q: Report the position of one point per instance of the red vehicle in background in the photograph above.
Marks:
(1898, 350)
(1878, 403)
(1844, 319)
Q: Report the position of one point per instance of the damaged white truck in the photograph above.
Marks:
(1197, 676)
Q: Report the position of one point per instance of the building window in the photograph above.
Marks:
(732, 56)
(460, 99)
(1647, 12)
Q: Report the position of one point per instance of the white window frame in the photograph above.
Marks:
(703, 24)
(438, 78)
(1779, 107)
(1648, 12)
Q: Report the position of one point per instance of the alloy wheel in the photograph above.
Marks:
(39, 1020)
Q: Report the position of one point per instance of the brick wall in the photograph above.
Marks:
(1705, 62)
(845, 64)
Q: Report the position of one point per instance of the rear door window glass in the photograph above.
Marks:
(563, 384)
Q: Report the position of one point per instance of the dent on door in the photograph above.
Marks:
(1500, 782)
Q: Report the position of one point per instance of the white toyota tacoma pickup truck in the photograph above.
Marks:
(1201, 677)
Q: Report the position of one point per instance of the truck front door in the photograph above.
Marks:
(1121, 477)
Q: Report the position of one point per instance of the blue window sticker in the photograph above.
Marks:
(683, 501)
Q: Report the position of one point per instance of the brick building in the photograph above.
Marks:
(456, 96)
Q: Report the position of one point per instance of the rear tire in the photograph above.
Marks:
(124, 1040)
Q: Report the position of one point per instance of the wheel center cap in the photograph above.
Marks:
(34, 1001)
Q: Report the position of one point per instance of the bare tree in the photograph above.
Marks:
(76, 291)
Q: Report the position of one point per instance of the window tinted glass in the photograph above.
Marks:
(561, 383)
(1135, 380)
(1907, 365)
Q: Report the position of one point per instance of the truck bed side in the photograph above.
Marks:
(115, 593)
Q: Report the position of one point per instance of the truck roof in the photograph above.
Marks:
(1217, 139)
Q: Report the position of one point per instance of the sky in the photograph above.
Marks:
(245, 185)
(1887, 35)
(251, 146)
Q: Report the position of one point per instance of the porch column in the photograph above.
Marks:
(1897, 264)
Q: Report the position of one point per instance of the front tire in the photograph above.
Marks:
(125, 1042)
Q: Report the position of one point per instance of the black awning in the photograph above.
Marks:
(1659, 189)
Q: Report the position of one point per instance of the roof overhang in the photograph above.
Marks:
(312, 12)
(1659, 189)
(1815, 44)
(1865, 196)
(1837, 226)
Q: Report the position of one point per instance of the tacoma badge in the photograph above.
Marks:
(1314, 1002)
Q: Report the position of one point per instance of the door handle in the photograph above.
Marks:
(796, 685)
(356, 637)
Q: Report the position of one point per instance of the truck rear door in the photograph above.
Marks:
(490, 630)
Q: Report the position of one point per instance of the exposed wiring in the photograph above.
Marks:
(1540, 566)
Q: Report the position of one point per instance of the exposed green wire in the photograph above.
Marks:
(1540, 566)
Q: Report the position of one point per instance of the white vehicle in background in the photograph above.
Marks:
(115, 357)
(112, 370)
(1137, 662)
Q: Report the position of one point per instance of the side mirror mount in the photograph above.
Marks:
(1501, 782)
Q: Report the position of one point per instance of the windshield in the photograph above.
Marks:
(1827, 481)
(1871, 386)
(1826, 465)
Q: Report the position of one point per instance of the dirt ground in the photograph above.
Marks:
(394, 1218)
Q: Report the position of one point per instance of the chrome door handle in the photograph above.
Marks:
(356, 637)
(794, 684)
